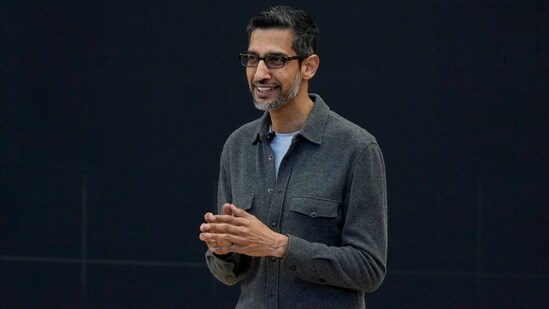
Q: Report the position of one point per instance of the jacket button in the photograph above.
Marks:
(270, 190)
(313, 214)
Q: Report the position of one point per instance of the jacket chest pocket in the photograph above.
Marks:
(244, 201)
(252, 204)
(315, 219)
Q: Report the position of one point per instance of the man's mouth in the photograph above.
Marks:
(264, 91)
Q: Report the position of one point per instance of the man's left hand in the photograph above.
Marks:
(242, 233)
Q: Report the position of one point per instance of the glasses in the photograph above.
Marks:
(271, 61)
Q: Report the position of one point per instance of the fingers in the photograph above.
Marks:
(227, 209)
(214, 231)
(228, 227)
(216, 240)
(223, 233)
(237, 212)
(220, 243)
(223, 249)
(209, 217)
(231, 220)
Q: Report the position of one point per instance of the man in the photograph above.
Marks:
(302, 201)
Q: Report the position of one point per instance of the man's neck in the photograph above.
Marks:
(292, 116)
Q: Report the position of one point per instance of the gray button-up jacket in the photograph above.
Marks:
(330, 200)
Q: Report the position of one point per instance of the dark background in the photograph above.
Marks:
(113, 115)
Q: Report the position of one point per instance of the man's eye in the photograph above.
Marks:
(275, 60)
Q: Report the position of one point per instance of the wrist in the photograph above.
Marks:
(281, 246)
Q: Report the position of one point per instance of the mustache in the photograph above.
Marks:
(264, 84)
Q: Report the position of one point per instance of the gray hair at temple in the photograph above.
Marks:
(286, 17)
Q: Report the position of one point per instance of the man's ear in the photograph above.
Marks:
(309, 66)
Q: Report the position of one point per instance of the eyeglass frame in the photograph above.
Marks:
(284, 59)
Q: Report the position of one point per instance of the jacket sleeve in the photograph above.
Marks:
(360, 262)
(232, 267)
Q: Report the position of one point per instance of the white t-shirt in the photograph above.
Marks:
(280, 145)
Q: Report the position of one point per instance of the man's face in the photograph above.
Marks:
(273, 88)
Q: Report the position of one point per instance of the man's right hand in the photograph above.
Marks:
(215, 245)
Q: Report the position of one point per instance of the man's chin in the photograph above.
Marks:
(262, 105)
(269, 104)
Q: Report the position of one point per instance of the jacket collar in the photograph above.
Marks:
(313, 129)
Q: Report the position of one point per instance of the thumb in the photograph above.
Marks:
(227, 209)
(237, 212)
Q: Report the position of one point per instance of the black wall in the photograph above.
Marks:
(113, 115)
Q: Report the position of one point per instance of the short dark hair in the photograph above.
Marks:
(286, 17)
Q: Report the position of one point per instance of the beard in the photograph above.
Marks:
(282, 99)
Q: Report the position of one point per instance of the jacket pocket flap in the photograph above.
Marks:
(244, 201)
(315, 207)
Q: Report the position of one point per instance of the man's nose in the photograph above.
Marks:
(262, 71)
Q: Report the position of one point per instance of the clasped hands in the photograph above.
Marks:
(240, 232)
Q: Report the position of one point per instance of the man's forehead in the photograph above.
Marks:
(275, 40)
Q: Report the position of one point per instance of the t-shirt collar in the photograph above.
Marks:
(313, 129)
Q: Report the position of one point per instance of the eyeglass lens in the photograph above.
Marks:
(271, 61)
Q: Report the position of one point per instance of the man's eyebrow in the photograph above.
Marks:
(251, 52)
(277, 54)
